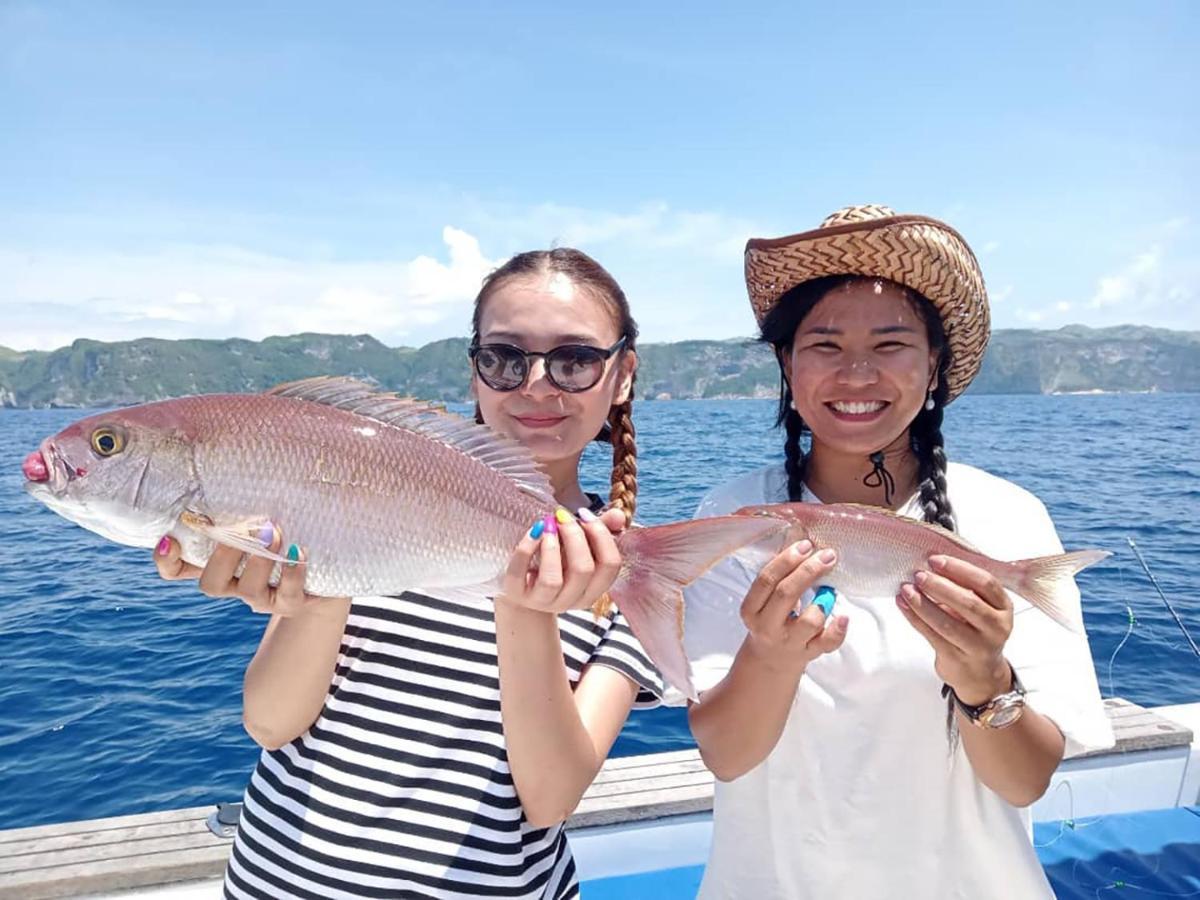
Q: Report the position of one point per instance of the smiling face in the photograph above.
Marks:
(538, 312)
(860, 367)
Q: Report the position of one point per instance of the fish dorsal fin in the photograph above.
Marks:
(431, 420)
(944, 532)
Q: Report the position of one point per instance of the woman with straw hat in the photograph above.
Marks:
(893, 747)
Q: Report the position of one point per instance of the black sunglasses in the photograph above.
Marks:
(571, 367)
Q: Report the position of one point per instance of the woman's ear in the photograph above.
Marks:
(626, 367)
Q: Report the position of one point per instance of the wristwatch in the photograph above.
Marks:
(999, 712)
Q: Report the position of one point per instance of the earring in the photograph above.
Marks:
(929, 404)
(792, 405)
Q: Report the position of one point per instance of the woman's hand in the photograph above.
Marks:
(780, 637)
(253, 585)
(966, 616)
(564, 564)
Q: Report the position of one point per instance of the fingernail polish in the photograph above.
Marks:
(827, 556)
(266, 534)
(562, 516)
(587, 515)
(293, 555)
(164, 546)
(825, 597)
(536, 531)
(551, 525)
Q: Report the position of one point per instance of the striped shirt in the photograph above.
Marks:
(402, 788)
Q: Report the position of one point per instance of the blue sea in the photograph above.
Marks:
(119, 693)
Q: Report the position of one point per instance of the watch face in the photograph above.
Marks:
(1004, 711)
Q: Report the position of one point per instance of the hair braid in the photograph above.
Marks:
(795, 460)
(929, 447)
(624, 469)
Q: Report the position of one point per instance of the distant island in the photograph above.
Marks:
(1074, 359)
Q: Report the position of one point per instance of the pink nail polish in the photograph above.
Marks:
(551, 525)
(164, 546)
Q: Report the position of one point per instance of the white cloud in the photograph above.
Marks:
(1135, 281)
(990, 247)
(680, 268)
(52, 298)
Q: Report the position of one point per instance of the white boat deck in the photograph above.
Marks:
(174, 855)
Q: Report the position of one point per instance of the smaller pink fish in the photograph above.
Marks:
(879, 550)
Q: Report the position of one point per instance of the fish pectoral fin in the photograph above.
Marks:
(240, 535)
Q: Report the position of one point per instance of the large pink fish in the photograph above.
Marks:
(878, 550)
(386, 494)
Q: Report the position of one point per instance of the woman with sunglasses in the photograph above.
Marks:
(889, 746)
(432, 747)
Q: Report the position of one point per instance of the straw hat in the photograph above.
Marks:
(919, 252)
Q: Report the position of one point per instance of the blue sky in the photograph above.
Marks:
(220, 169)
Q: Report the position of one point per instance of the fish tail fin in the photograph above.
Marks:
(1038, 580)
(657, 563)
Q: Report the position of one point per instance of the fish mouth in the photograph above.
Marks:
(857, 410)
(59, 473)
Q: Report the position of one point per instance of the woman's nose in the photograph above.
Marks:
(536, 381)
(859, 369)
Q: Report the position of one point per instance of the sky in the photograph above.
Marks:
(247, 169)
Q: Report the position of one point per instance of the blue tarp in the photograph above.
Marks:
(1136, 855)
(1142, 856)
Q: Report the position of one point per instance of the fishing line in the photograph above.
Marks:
(1069, 823)
(1163, 597)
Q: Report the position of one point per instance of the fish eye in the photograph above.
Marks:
(107, 441)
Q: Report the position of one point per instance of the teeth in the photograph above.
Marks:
(858, 408)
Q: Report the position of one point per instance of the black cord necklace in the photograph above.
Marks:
(879, 476)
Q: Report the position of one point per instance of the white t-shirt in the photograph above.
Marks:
(864, 796)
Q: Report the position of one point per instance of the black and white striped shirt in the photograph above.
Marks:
(401, 788)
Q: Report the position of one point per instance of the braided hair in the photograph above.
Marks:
(587, 274)
(925, 432)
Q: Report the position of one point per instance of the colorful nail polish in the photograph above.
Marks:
(825, 597)
(266, 534)
(164, 546)
(562, 516)
(551, 525)
(536, 531)
(586, 515)
(293, 555)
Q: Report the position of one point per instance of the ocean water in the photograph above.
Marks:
(119, 693)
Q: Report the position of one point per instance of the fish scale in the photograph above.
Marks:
(313, 471)
(879, 550)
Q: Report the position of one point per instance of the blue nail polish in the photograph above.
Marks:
(538, 527)
(825, 598)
